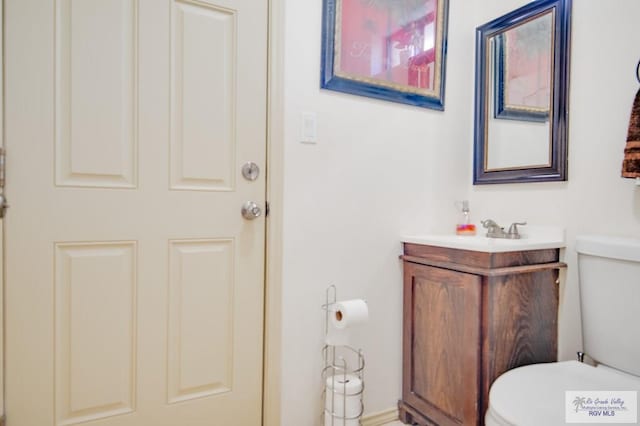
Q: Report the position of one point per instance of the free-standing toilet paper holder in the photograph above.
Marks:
(342, 376)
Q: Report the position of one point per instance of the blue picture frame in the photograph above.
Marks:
(332, 77)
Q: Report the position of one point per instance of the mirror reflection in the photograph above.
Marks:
(520, 68)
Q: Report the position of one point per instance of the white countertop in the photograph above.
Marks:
(534, 238)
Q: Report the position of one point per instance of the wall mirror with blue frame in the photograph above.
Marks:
(521, 104)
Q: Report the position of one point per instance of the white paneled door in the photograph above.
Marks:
(134, 286)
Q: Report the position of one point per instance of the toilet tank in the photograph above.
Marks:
(609, 274)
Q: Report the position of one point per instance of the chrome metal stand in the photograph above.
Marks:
(341, 364)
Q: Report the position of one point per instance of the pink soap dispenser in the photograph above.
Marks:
(464, 226)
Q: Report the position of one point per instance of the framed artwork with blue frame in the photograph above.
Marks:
(394, 50)
(523, 63)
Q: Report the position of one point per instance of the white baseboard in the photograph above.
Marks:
(381, 418)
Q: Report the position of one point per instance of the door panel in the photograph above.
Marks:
(134, 288)
(203, 97)
(95, 285)
(200, 318)
(442, 338)
(96, 142)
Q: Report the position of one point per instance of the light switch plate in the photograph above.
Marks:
(309, 128)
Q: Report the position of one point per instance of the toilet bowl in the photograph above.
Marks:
(609, 275)
(535, 395)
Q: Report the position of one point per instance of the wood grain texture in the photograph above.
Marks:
(481, 259)
(485, 271)
(520, 325)
(444, 344)
(466, 323)
(411, 416)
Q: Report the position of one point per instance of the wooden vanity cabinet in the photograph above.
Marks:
(469, 317)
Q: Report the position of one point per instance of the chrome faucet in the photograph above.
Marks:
(493, 229)
(496, 231)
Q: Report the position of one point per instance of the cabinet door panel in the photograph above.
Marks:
(441, 343)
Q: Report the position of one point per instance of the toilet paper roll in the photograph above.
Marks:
(336, 337)
(350, 313)
(343, 400)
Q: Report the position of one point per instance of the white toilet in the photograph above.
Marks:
(609, 274)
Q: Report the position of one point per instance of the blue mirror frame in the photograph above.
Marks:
(333, 79)
(558, 139)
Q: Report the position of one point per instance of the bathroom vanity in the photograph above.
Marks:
(473, 309)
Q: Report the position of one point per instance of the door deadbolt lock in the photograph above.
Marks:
(250, 171)
(251, 210)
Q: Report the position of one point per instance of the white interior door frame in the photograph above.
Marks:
(275, 184)
(2, 221)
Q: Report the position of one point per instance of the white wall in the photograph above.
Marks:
(378, 171)
(381, 170)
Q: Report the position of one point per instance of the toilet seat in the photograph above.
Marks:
(534, 395)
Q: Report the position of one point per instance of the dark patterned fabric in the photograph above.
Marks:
(631, 163)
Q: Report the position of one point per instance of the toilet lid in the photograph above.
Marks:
(535, 394)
